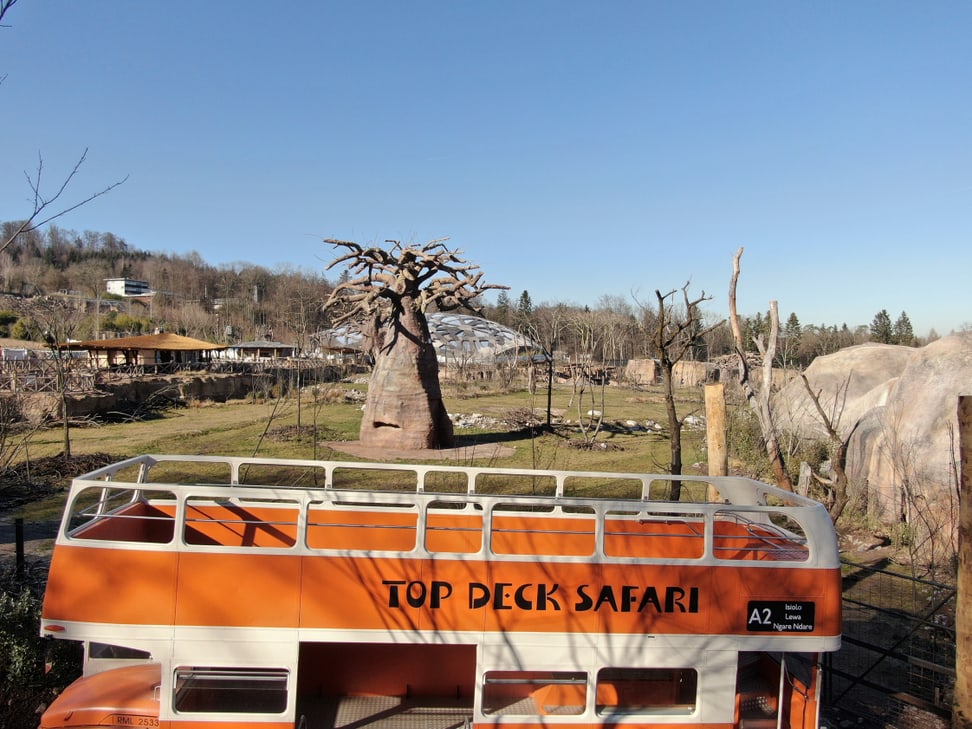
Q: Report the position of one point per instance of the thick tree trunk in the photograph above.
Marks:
(674, 427)
(760, 401)
(716, 435)
(404, 409)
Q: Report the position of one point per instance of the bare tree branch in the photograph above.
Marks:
(429, 276)
(837, 485)
(759, 401)
(39, 217)
(672, 334)
(5, 5)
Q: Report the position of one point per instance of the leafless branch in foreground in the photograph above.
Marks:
(5, 5)
(43, 212)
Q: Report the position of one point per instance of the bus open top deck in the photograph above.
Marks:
(222, 591)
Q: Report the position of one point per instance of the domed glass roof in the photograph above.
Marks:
(457, 338)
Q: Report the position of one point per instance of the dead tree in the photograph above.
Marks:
(387, 294)
(675, 333)
(759, 401)
(835, 486)
(57, 321)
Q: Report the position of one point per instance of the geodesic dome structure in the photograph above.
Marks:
(458, 339)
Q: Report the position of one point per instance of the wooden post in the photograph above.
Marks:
(962, 708)
(19, 540)
(715, 432)
(550, 368)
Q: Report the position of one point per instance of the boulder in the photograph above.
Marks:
(850, 383)
(899, 407)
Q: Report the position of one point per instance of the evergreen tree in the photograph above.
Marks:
(503, 309)
(524, 312)
(752, 327)
(790, 340)
(792, 327)
(525, 305)
(903, 333)
(881, 329)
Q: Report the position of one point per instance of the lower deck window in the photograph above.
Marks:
(646, 690)
(106, 650)
(534, 693)
(231, 690)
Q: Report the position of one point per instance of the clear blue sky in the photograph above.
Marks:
(573, 150)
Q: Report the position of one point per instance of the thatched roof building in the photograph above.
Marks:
(148, 349)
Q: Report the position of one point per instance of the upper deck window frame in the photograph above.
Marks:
(748, 500)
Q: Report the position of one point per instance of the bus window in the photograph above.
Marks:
(106, 650)
(534, 693)
(391, 527)
(123, 515)
(767, 535)
(231, 690)
(646, 690)
(454, 527)
(658, 536)
(542, 533)
(254, 523)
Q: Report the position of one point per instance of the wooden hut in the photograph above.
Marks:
(151, 350)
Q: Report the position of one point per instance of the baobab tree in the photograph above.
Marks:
(387, 295)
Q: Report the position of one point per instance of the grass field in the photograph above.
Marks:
(268, 428)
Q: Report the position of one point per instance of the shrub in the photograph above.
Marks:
(745, 441)
(32, 670)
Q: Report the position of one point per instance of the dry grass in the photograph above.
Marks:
(270, 428)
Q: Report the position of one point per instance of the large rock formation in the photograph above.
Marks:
(899, 406)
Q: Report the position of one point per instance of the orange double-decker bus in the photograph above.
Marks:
(217, 592)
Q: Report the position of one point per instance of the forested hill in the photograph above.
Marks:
(244, 302)
(192, 296)
(59, 259)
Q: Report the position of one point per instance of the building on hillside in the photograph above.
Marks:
(127, 287)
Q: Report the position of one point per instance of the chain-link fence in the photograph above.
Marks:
(897, 664)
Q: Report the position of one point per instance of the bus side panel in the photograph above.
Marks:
(402, 593)
(238, 589)
(339, 592)
(91, 584)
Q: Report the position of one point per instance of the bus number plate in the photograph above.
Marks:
(134, 720)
